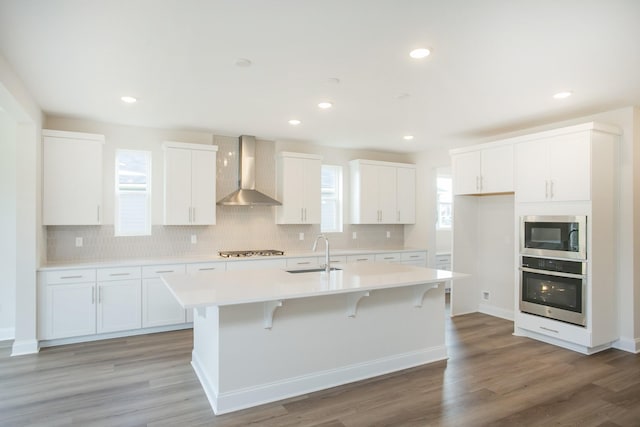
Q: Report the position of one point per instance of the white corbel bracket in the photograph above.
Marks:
(420, 290)
(269, 309)
(352, 302)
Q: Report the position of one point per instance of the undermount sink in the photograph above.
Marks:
(311, 270)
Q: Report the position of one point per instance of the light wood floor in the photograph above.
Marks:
(491, 378)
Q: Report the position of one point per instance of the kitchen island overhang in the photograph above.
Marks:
(266, 335)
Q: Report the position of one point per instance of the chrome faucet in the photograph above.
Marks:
(327, 266)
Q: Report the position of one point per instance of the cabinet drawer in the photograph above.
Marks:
(206, 266)
(388, 257)
(361, 258)
(414, 256)
(118, 273)
(553, 328)
(302, 262)
(443, 259)
(152, 271)
(70, 276)
(333, 260)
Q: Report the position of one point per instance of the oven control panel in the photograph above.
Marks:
(559, 265)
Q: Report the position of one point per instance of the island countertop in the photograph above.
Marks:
(220, 288)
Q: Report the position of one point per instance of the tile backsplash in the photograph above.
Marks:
(237, 228)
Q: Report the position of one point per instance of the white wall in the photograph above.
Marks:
(20, 106)
(7, 226)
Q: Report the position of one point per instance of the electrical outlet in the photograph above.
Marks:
(301, 236)
(194, 239)
(79, 242)
(388, 234)
(486, 295)
(354, 236)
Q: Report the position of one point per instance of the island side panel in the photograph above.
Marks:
(314, 345)
(205, 354)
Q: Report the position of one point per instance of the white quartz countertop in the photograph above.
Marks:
(249, 286)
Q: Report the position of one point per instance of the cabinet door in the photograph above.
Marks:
(177, 186)
(72, 181)
(531, 165)
(466, 173)
(290, 191)
(119, 305)
(203, 187)
(311, 174)
(497, 169)
(369, 210)
(70, 310)
(570, 167)
(159, 307)
(387, 194)
(406, 195)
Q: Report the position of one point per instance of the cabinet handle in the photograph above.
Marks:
(305, 214)
(551, 189)
(164, 271)
(546, 189)
(99, 295)
(303, 263)
(389, 257)
(302, 214)
(98, 213)
(93, 295)
(207, 268)
(194, 214)
(71, 277)
(481, 183)
(362, 259)
(549, 330)
(119, 274)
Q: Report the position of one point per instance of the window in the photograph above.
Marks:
(445, 196)
(133, 193)
(331, 196)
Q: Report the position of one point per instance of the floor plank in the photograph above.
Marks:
(491, 378)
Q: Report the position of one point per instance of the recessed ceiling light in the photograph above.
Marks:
(408, 137)
(563, 94)
(243, 62)
(324, 105)
(420, 53)
(294, 122)
(129, 99)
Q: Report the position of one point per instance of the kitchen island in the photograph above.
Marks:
(266, 335)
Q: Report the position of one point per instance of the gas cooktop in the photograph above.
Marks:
(257, 252)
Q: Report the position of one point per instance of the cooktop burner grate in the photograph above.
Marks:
(257, 252)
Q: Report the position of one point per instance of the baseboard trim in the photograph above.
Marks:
(631, 345)
(520, 332)
(492, 310)
(21, 348)
(226, 402)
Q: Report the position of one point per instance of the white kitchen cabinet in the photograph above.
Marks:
(72, 178)
(200, 267)
(189, 184)
(119, 296)
(361, 258)
(485, 170)
(443, 262)
(67, 305)
(382, 192)
(159, 306)
(392, 257)
(298, 188)
(553, 169)
(417, 258)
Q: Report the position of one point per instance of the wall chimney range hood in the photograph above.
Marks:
(246, 194)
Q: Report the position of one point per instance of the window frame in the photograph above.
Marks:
(440, 204)
(337, 198)
(118, 232)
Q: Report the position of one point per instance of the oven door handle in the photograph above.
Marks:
(552, 273)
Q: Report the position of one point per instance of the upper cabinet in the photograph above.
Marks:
(557, 168)
(189, 184)
(382, 192)
(483, 170)
(298, 188)
(72, 178)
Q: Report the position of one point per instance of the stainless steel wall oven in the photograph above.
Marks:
(554, 288)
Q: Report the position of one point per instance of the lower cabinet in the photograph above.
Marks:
(159, 306)
(68, 310)
(119, 306)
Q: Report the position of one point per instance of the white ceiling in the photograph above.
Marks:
(494, 68)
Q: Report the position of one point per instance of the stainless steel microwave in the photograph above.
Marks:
(554, 236)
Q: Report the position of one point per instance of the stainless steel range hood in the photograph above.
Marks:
(246, 194)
